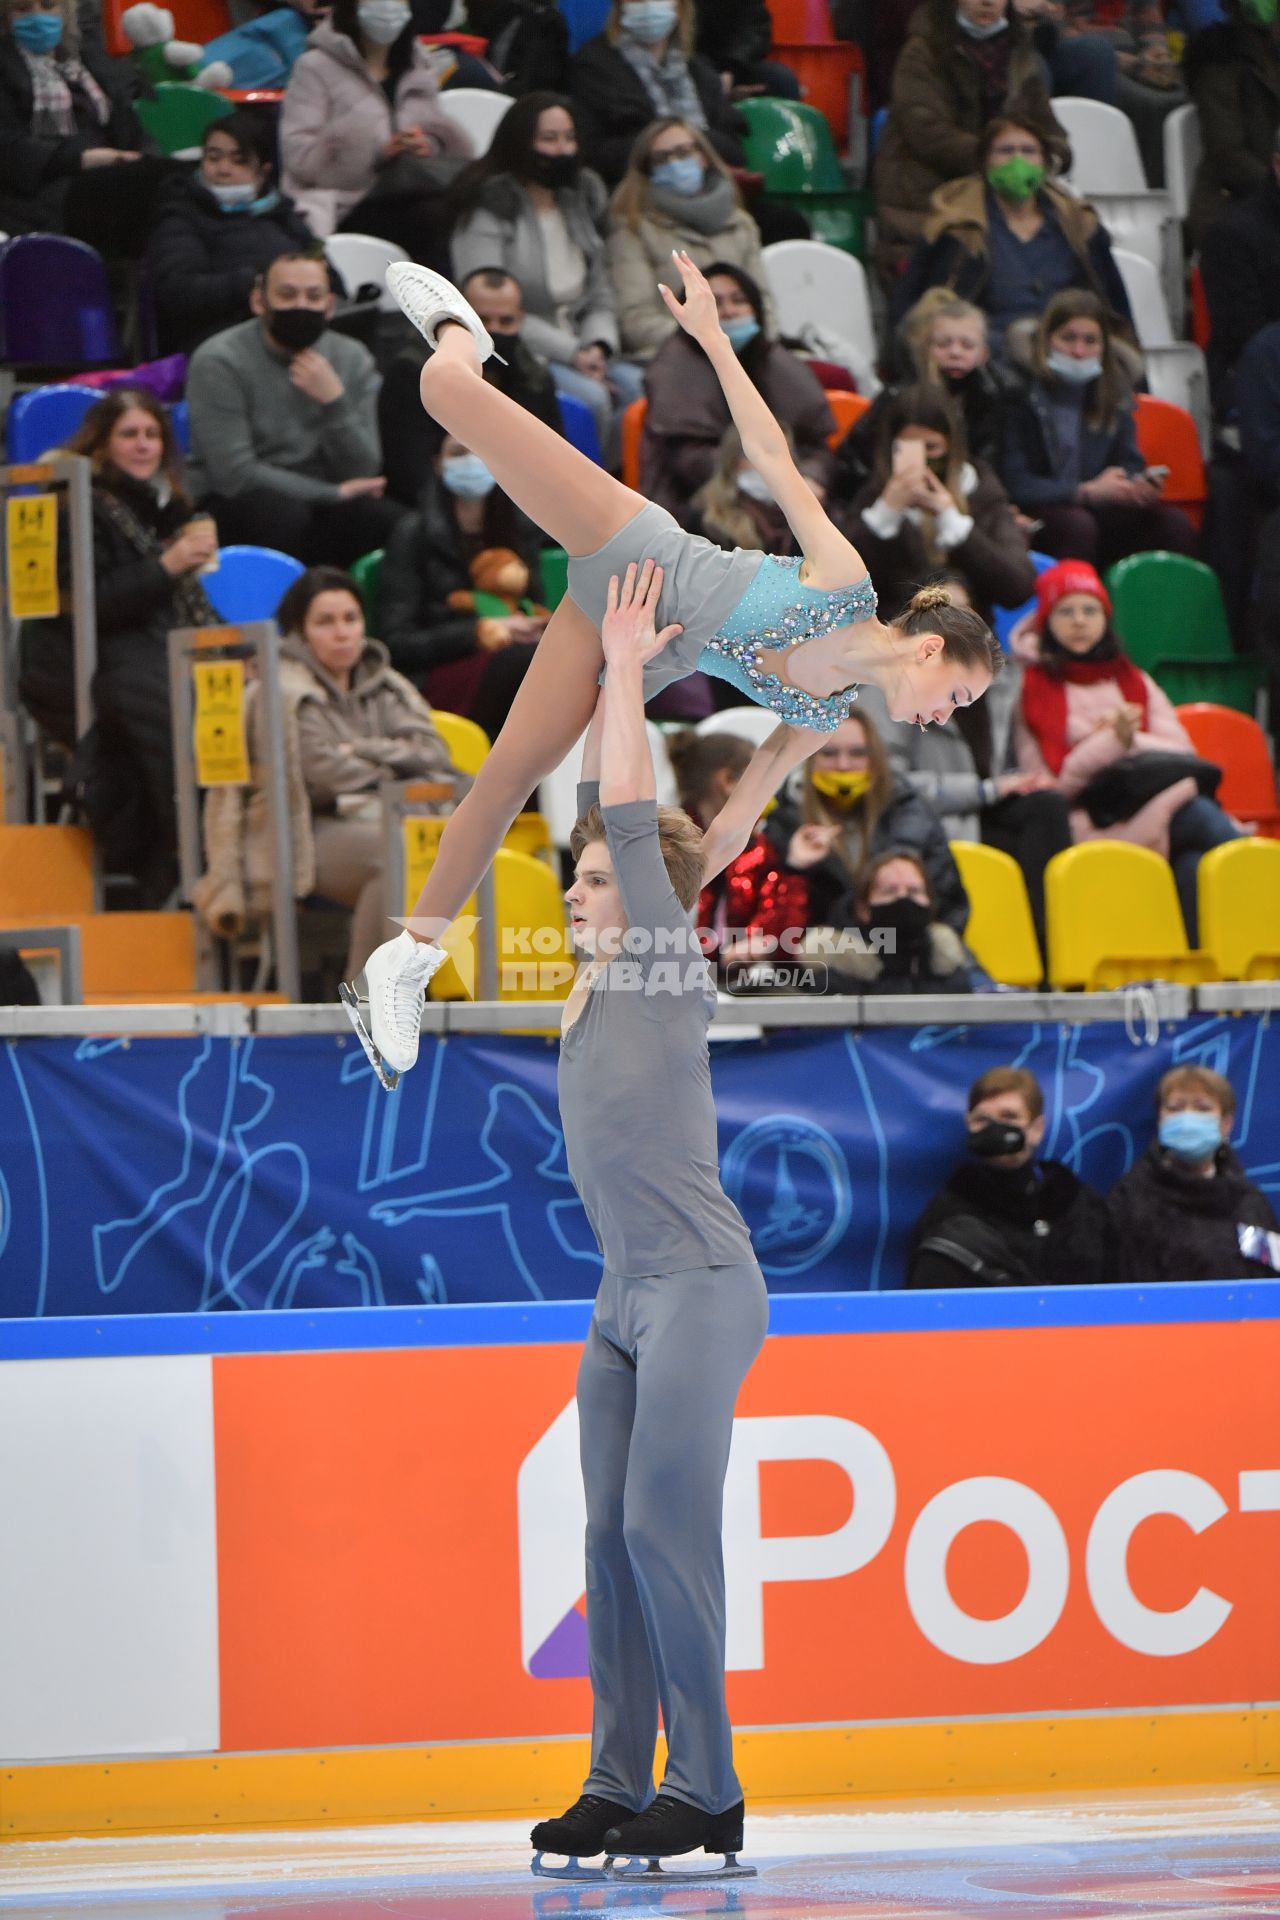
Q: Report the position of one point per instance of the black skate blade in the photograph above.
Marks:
(595, 1876)
(352, 1005)
(647, 1870)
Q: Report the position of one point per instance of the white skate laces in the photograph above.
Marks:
(396, 976)
(427, 298)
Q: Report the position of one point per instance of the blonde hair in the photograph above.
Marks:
(938, 303)
(632, 199)
(718, 501)
(1193, 1079)
(679, 839)
(683, 35)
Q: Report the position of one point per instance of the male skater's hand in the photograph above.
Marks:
(629, 630)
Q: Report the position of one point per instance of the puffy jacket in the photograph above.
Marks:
(1029, 459)
(611, 107)
(336, 120)
(640, 256)
(504, 231)
(1174, 1224)
(1033, 1226)
(907, 821)
(203, 262)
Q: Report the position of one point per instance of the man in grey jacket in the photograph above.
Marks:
(284, 426)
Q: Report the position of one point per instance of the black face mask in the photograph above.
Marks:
(995, 1139)
(554, 169)
(295, 328)
(907, 922)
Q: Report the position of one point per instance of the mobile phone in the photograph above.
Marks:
(908, 459)
(1157, 475)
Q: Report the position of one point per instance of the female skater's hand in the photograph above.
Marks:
(696, 313)
(628, 631)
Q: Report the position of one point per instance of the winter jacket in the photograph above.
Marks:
(939, 762)
(338, 746)
(1029, 460)
(36, 167)
(611, 108)
(503, 231)
(734, 35)
(1232, 74)
(688, 415)
(984, 543)
(1240, 262)
(1174, 1224)
(336, 120)
(411, 438)
(639, 257)
(1091, 748)
(1032, 1226)
(202, 262)
(908, 821)
(954, 247)
(426, 559)
(935, 117)
(1259, 377)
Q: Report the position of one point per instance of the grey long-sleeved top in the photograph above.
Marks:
(251, 427)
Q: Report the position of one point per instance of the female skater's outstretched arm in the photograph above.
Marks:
(763, 774)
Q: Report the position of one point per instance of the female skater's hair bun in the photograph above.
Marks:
(928, 598)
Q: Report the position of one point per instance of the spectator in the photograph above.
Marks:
(735, 508)
(148, 552)
(465, 663)
(1107, 734)
(350, 723)
(965, 63)
(1077, 62)
(1240, 262)
(360, 122)
(735, 36)
(284, 424)
(1259, 377)
(844, 806)
(72, 154)
(1180, 1210)
(967, 774)
(1233, 76)
(1146, 84)
(1008, 237)
(688, 413)
(530, 207)
(905, 947)
(410, 437)
(216, 231)
(925, 506)
(1071, 453)
(677, 193)
(1005, 1218)
(643, 68)
(744, 912)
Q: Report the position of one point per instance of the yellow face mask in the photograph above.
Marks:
(844, 788)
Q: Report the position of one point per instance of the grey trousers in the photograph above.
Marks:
(664, 1359)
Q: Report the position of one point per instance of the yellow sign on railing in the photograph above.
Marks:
(32, 538)
(218, 736)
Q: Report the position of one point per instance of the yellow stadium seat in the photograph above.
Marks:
(1001, 931)
(1113, 917)
(467, 743)
(146, 957)
(1238, 896)
(46, 873)
(535, 957)
(529, 833)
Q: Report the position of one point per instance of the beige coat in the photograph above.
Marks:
(638, 258)
(338, 747)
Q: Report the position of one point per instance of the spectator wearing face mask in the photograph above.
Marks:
(1006, 1218)
(676, 195)
(410, 437)
(1184, 1210)
(284, 429)
(463, 662)
(216, 231)
(735, 507)
(905, 947)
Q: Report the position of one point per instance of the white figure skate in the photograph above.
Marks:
(396, 976)
(427, 298)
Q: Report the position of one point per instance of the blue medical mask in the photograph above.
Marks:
(382, 21)
(685, 176)
(234, 198)
(466, 475)
(1192, 1136)
(981, 33)
(754, 485)
(740, 333)
(1078, 373)
(37, 32)
(650, 21)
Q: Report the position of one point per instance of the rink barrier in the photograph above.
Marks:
(307, 1568)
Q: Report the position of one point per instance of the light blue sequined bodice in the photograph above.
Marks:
(778, 610)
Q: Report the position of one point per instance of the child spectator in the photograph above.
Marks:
(1005, 1218)
(1107, 735)
(1071, 454)
(1180, 1209)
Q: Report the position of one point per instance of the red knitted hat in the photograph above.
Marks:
(1069, 576)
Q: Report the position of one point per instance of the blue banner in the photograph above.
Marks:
(143, 1176)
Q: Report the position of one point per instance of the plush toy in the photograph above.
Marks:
(149, 30)
(499, 589)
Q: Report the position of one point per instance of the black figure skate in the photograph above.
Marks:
(577, 1834)
(636, 1849)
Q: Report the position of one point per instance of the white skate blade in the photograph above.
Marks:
(646, 1869)
(595, 1876)
(353, 1006)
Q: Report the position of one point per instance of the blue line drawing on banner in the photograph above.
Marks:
(273, 1171)
(33, 1263)
(357, 1264)
(393, 1124)
(431, 1286)
(1078, 1084)
(509, 1140)
(882, 1160)
(794, 1234)
(567, 1218)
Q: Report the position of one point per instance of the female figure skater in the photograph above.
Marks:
(795, 635)
(682, 1307)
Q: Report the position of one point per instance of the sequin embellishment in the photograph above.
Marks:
(759, 622)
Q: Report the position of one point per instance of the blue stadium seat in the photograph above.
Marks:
(1005, 619)
(580, 426)
(43, 418)
(249, 582)
(180, 420)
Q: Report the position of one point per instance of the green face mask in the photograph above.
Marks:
(1019, 178)
(1259, 13)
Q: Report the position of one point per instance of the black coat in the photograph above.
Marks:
(1032, 1226)
(1232, 74)
(734, 35)
(908, 821)
(35, 168)
(427, 558)
(410, 437)
(203, 263)
(611, 108)
(994, 559)
(1240, 261)
(1176, 1225)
